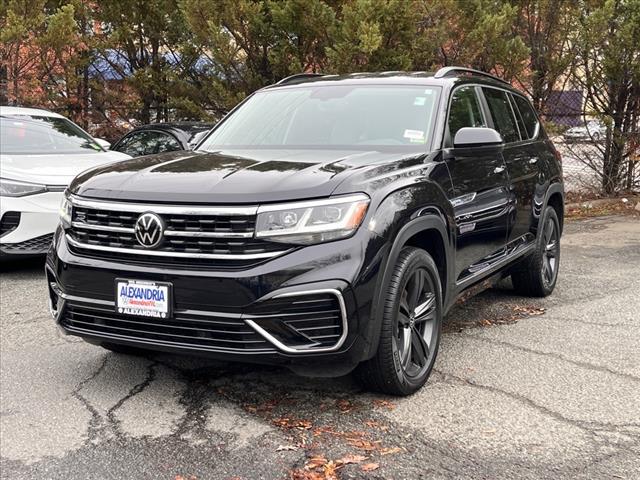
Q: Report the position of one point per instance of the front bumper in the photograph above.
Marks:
(37, 221)
(252, 304)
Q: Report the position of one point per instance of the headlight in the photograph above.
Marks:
(66, 210)
(311, 222)
(16, 188)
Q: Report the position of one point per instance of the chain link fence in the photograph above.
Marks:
(594, 154)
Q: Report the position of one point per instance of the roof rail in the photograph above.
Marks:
(444, 71)
(298, 76)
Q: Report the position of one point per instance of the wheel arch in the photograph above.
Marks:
(430, 232)
(555, 199)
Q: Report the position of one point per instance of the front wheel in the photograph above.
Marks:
(537, 275)
(411, 326)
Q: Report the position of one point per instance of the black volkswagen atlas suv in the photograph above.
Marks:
(326, 224)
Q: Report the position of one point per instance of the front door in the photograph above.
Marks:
(480, 189)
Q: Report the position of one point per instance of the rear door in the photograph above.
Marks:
(480, 188)
(521, 158)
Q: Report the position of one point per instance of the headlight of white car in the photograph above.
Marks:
(318, 221)
(66, 210)
(16, 188)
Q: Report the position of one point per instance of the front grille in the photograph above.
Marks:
(189, 223)
(193, 236)
(9, 222)
(310, 321)
(186, 329)
(34, 246)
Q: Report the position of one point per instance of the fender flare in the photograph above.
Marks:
(555, 187)
(429, 221)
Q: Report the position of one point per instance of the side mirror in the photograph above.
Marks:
(103, 143)
(477, 137)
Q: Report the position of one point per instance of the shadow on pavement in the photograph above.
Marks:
(27, 265)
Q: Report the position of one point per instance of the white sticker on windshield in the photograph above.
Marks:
(414, 135)
(419, 101)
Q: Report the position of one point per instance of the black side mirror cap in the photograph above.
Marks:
(477, 137)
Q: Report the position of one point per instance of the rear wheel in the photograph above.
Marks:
(537, 275)
(411, 326)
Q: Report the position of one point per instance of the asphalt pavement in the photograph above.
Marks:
(522, 388)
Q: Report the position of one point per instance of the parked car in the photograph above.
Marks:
(40, 153)
(592, 131)
(327, 224)
(162, 137)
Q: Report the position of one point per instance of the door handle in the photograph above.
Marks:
(533, 160)
(498, 170)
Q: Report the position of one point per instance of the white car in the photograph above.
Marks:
(592, 131)
(40, 153)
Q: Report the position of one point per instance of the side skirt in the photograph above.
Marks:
(496, 261)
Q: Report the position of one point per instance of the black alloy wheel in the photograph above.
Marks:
(537, 275)
(416, 332)
(550, 253)
(411, 327)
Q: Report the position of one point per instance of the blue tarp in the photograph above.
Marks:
(114, 65)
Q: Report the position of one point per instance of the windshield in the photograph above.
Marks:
(342, 116)
(43, 135)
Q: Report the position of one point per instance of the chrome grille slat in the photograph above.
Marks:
(159, 253)
(194, 236)
(79, 316)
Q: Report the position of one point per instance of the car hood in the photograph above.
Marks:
(231, 176)
(53, 169)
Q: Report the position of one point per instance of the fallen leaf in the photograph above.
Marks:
(345, 406)
(285, 422)
(349, 459)
(390, 451)
(368, 467)
(329, 470)
(364, 444)
(384, 403)
(315, 462)
(284, 448)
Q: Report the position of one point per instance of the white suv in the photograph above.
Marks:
(40, 153)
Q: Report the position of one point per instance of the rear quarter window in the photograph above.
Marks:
(529, 117)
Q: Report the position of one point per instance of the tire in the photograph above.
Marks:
(537, 275)
(410, 314)
(125, 349)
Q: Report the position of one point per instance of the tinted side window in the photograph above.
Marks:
(528, 116)
(502, 114)
(464, 111)
(167, 143)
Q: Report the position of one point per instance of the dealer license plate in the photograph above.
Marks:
(143, 299)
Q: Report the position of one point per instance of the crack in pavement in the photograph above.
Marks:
(598, 324)
(135, 390)
(578, 363)
(94, 426)
(591, 427)
(99, 424)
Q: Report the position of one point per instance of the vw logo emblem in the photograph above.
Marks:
(149, 229)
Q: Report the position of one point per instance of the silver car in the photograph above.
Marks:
(592, 131)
